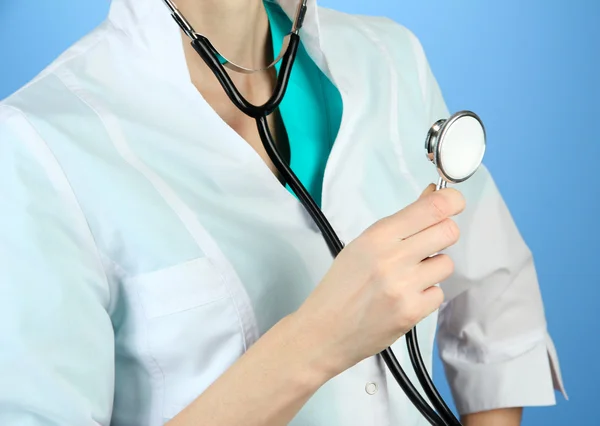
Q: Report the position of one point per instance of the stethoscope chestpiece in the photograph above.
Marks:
(456, 146)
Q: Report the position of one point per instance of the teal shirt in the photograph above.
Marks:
(311, 110)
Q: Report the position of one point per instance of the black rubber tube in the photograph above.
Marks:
(210, 56)
(425, 380)
(336, 246)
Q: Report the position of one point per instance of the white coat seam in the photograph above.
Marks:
(421, 70)
(64, 59)
(60, 178)
(74, 90)
(394, 108)
(146, 340)
(197, 232)
(490, 353)
(555, 365)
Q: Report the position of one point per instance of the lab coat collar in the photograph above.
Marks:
(149, 23)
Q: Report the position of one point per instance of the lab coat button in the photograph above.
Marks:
(371, 388)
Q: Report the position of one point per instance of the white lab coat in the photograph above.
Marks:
(145, 246)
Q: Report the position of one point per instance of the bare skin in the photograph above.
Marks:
(387, 286)
(244, 39)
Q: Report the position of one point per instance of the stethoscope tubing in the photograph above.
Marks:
(260, 113)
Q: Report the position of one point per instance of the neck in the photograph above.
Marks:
(239, 29)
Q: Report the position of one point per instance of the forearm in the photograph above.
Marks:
(267, 386)
(503, 417)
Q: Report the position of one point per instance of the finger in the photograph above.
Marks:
(432, 271)
(431, 300)
(429, 241)
(429, 190)
(427, 211)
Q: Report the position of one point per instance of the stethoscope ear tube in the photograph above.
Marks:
(211, 57)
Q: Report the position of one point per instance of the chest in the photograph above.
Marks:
(204, 247)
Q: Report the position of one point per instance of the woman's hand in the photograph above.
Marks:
(378, 288)
(384, 282)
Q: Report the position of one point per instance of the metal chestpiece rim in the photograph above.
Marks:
(435, 140)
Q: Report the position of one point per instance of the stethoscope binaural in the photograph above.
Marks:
(455, 145)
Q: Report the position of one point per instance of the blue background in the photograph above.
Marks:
(528, 68)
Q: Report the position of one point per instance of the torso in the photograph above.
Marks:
(203, 247)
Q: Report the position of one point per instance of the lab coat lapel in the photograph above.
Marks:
(311, 32)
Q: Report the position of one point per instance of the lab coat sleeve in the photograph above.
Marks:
(492, 333)
(56, 337)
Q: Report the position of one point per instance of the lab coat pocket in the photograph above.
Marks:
(192, 329)
(179, 288)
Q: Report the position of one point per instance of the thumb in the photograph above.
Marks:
(430, 188)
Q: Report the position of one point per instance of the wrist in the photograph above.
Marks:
(313, 346)
(500, 417)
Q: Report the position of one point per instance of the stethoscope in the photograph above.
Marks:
(455, 145)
